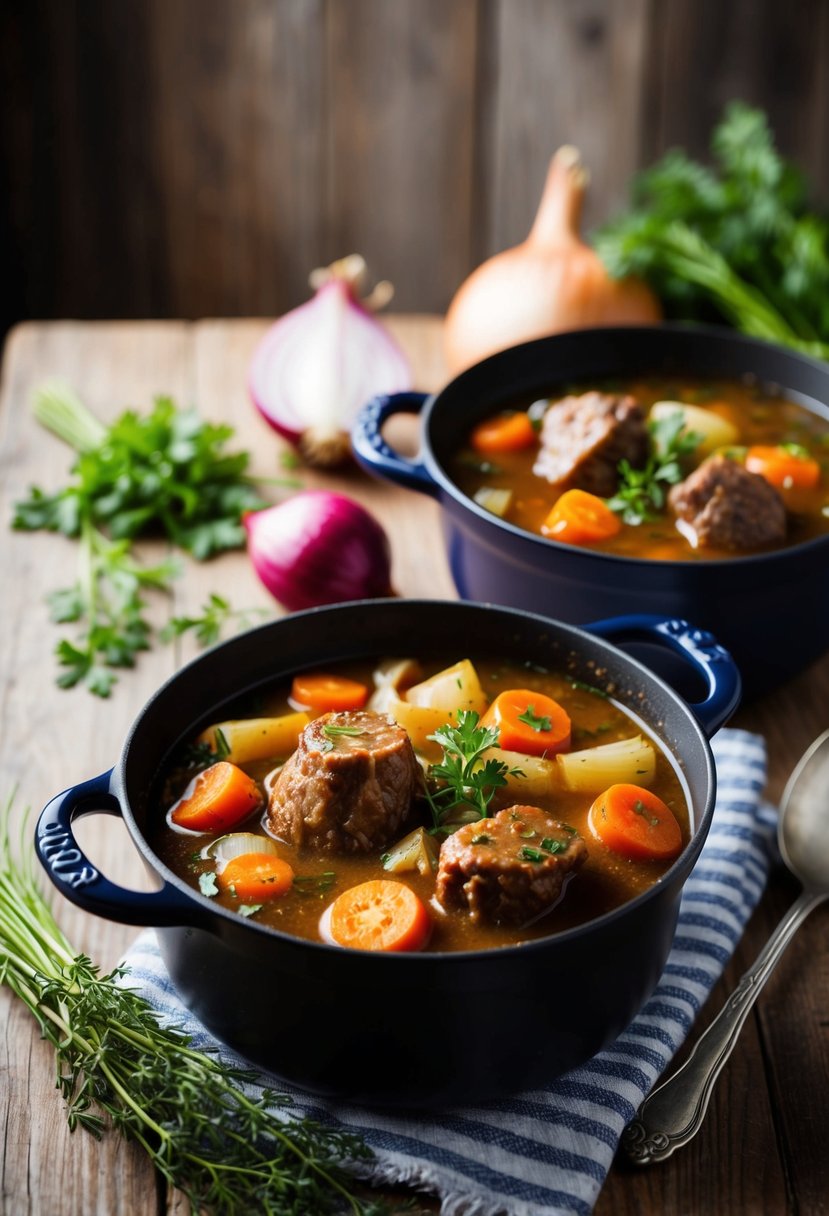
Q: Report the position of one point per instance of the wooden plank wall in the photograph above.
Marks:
(183, 158)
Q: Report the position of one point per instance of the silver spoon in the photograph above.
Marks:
(673, 1113)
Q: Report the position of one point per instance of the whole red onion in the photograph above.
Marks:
(319, 547)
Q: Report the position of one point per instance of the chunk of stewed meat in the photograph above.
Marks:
(349, 785)
(584, 438)
(509, 869)
(721, 505)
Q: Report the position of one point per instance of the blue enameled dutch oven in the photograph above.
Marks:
(401, 1029)
(770, 610)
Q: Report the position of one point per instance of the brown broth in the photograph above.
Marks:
(761, 418)
(604, 882)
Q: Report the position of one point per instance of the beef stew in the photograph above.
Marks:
(666, 468)
(362, 825)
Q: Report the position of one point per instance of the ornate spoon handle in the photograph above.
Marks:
(673, 1113)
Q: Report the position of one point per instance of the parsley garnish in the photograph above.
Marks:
(548, 847)
(538, 722)
(528, 854)
(460, 787)
(331, 731)
(641, 494)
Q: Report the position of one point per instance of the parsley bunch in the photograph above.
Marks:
(165, 474)
(463, 782)
(734, 241)
(642, 492)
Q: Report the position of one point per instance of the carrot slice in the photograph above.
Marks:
(326, 693)
(783, 468)
(217, 799)
(529, 722)
(633, 821)
(579, 518)
(504, 433)
(256, 877)
(380, 915)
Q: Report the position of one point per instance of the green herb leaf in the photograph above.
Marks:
(314, 884)
(641, 495)
(732, 241)
(209, 627)
(332, 731)
(461, 786)
(535, 721)
(165, 474)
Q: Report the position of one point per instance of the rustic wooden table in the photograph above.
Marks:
(763, 1146)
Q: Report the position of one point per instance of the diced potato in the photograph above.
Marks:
(594, 769)
(716, 431)
(540, 775)
(493, 499)
(417, 851)
(257, 738)
(420, 721)
(455, 688)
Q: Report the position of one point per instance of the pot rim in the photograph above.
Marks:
(682, 330)
(678, 871)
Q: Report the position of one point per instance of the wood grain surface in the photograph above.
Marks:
(762, 1150)
(191, 158)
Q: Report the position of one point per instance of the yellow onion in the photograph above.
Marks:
(553, 281)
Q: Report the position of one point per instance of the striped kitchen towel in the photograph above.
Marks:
(547, 1151)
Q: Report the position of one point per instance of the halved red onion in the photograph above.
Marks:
(320, 363)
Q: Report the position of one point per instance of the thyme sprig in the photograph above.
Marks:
(229, 1147)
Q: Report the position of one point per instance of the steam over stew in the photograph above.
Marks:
(667, 470)
(418, 806)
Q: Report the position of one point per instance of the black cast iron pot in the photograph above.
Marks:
(406, 1030)
(771, 610)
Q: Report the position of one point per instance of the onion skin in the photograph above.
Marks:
(550, 283)
(319, 547)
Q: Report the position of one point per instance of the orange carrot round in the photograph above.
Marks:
(217, 799)
(529, 722)
(380, 915)
(579, 518)
(256, 877)
(636, 823)
(504, 433)
(783, 468)
(328, 693)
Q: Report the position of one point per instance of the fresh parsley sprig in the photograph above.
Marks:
(216, 615)
(733, 241)
(460, 787)
(165, 474)
(641, 493)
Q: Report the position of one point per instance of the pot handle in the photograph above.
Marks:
(376, 456)
(76, 877)
(700, 648)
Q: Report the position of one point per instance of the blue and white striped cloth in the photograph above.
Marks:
(546, 1152)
